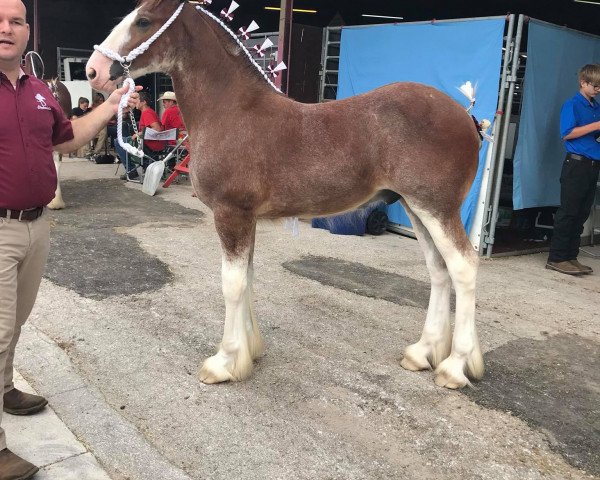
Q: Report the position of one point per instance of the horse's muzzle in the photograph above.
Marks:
(116, 71)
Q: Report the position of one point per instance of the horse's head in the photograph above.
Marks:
(134, 30)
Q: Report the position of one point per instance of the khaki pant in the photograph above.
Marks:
(101, 142)
(23, 253)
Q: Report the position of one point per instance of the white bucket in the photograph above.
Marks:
(153, 176)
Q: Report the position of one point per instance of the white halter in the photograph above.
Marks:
(126, 63)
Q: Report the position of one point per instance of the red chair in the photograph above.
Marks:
(181, 167)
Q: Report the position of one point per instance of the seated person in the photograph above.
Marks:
(148, 118)
(171, 117)
(79, 111)
(100, 146)
(82, 109)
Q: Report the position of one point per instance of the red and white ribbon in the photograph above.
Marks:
(274, 70)
(228, 14)
(260, 49)
(245, 31)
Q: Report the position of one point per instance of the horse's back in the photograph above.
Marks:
(409, 123)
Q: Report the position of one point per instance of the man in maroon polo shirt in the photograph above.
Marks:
(32, 124)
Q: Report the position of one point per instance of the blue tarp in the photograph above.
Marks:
(554, 56)
(444, 55)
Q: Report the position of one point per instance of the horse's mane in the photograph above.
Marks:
(228, 42)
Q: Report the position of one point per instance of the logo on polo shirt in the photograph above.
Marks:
(42, 102)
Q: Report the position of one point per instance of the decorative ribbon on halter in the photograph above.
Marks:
(260, 49)
(245, 32)
(274, 70)
(240, 44)
(228, 14)
(468, 91)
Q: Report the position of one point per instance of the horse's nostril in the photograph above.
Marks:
(91, 74)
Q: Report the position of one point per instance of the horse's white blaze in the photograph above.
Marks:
(462, 268)
(115, 42)
(233, 361)
(120, 34)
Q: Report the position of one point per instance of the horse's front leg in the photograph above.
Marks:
(233, 361)
(57, 202)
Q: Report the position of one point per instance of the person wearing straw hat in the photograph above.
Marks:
(171, 117)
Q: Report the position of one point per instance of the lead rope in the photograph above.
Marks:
(137, 152)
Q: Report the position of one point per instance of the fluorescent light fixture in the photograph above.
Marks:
(382, 16)
(587, 1)
(297, 10)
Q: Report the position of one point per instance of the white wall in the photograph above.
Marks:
(79, 88)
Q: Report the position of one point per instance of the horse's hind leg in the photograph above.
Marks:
(434, 345)
(255, 341)
(233, 361)
(461, 260)
(57, 202)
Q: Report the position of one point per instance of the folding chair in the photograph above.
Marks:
(132, 162)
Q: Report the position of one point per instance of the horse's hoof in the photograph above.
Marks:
(213, 371)
(450, 374)
(415, 358)
(414, 366)
(56, 205)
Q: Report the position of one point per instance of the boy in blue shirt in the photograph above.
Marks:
(580, 130)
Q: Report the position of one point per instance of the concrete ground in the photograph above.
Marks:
(47, 442)
(131, 305)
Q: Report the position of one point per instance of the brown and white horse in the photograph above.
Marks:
(33, 65)
(313, 160)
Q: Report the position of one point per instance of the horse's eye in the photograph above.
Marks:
(142, 23)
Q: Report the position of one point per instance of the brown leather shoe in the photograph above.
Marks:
(13, 467)
(581, 267)
(17, 402)
(564, 267)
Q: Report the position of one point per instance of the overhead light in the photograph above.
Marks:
(587, 1)
(384, 16)
(297, 10)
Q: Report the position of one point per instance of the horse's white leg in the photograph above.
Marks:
(461, 260)
(57, 202)
(255, 341)
(233, 361)
(436, 339)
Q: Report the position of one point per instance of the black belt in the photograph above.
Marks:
(22, 215)
(581, 158)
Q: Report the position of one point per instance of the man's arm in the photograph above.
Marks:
(583, 130)
(87, 127)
